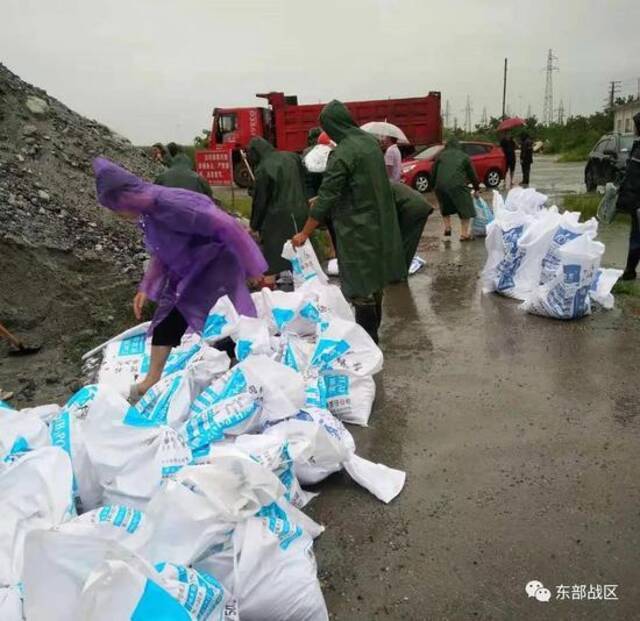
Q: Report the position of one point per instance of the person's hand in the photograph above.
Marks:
(139, 301)
(312, 202)
(299, 239)
(255, 235)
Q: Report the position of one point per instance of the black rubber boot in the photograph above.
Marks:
(633, 258)
(367, 317)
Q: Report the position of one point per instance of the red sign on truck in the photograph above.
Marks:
(216, 164)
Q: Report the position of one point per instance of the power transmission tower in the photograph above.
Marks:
(529, 111)
(547, 112)
(467, 115)
(614, 88)
(484, 119)
(447, 114)
(455, 123)
(561, 113)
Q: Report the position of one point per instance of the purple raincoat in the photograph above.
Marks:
(199, 253)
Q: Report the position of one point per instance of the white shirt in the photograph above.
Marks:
(393, 161)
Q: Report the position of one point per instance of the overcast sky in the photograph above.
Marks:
(154, 69)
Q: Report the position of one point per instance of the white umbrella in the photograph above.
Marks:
(382, 129)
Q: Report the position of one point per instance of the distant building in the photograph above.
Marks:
(623, 116)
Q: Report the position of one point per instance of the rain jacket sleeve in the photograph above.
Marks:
(434, 172)
(261, 197)
(154, 279)
(471, 174)
(205, 187)
(332, 188)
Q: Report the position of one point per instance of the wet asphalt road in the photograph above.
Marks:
(519, 436)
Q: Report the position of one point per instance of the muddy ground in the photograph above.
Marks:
(519, 436)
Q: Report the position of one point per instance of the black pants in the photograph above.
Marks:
(169, 332)
(368, 311)
(526, 170)
(633, 256)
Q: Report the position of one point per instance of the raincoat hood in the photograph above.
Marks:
(120, 190)
(258, 149)
(453, 143)
(182, 160)
(336, 120)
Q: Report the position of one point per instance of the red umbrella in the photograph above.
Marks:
(516, 121)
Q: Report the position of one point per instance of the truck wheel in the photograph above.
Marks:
(241, 175)
(422, 182)
(493, 178)
(589, 180)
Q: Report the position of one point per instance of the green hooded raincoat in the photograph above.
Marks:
(356, 195)
(413, 211)
(452, 173)
(278, 199)
(180, 174)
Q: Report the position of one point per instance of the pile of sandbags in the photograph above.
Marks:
(187, 505)
(547, 259)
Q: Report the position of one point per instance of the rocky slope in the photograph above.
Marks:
(68, 267)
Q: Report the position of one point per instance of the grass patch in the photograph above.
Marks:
(578, 154)
(586, 204)
(239, 205)
(627, 287)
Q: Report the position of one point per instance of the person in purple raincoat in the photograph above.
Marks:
(199, 253)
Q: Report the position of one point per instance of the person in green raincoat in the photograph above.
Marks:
(452, 172)
(356, 195)
(180, 174)
(413, 212)
(279, 208)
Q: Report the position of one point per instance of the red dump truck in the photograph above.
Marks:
(285, 124)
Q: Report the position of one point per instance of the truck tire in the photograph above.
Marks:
(589, 180)
(493, 178)
(241, 175)
(422, 183)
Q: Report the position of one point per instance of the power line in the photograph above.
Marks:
(561, 113)
(467, 115)
(447, 114)
(547, 113)
(484, 119)
(614, 89)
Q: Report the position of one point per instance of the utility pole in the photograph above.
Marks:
(561, 113)
(504, 90)
(638, 88)
(547, 113)
(447, 114)
(614, 87)
(467, 116)
(484, 119)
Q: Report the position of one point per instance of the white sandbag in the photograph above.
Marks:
(275, 455)
(350, 398)
(274, 572)
(168, 402)
(568, 230)
(602, 285)
(346, 346)
(5, 407)
(295, 351)
(333, 269)
(198, 508)
(566, 295)
(97, 402)
(525, 200)
(11, 604)
(417, 263)
(315, 160)
(329, 300)
(255, 391)
(532, 246)
(483, 217)
(296, 312)
(503, 253)
(35, 493)
(21, 431)
(304, 263)
(252, 338)
(221, 321)
(327, 448)
(131, 460)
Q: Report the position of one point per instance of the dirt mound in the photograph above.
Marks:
(69, 267)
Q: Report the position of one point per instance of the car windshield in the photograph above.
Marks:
(428, 153)
(626, 143)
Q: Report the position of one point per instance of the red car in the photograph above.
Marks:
(488, 161)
